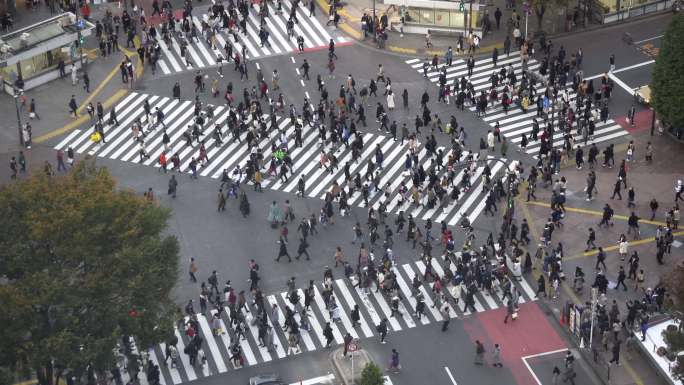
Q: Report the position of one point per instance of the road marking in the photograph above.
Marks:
(302, 81)
(81, 120)
(634, 66)
(327, 379)
(544, 353)
(525, 358)
(534, 375)
(596, 213)
(649, 39)
(621, 69)
(622, 84)
(451, 377)
(292, 58)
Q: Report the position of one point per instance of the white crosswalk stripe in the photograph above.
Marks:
(121, 145)
(217, 346)
(516, 122)
(201, 54)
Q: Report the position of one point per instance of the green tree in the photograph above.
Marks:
(372, 375)
(82, 264)
(667, 87)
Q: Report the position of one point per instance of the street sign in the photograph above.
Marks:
(526, 8)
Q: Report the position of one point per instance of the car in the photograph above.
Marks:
(643, 95)
(266, 379)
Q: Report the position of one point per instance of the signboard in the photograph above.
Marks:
(578, 323)
(571, 318)
(353, 346)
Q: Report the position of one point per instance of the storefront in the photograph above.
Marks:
(35, 51)
(421, 15)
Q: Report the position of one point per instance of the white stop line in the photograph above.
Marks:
(525, 358)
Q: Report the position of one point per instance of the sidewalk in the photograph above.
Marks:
(649, 180)
(52, 98)
(414, 44)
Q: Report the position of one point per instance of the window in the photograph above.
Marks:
(427, 16)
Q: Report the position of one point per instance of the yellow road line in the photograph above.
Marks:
(615, 247)
(350, 30)
(402, 50)
(98, 89)
(596, 213)
(81, 120)
(118, 95)
(567, 290)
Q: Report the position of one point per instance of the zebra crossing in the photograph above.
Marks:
(372, 308)
(201, 54)
(121, 145)
(516, 123)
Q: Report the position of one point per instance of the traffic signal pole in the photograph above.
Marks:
(80, 41)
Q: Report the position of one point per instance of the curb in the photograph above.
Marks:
(357, 35)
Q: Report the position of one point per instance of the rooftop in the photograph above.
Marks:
(31, 36)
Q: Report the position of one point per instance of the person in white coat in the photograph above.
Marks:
(74, 76)
(490, 140)
(390, 100)
(622, 247)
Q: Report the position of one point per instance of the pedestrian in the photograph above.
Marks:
(617, 188)
(394, 365)
(328, 334)
(74, 75)
(447, 318)
(13, 167)
(283, 252)
(382, 329)
(621, 279)
(479, 353)
(355, 316)
(654, 207)
(86, 82)
(616, 353)
(623, 246)
(510, 311)
(192, 270)
(33, 113)
(60, 161)
(590, 240)
(555, 375)
(611, 60)
(496, 356)
(347, 340)
(73, 107)
(173, 185)
(302, 249)
(600, 259)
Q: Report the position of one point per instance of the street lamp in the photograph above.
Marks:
(372, 24)
(80, 24)
(17, 94)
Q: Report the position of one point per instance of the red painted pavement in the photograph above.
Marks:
(642, 121)
(530, 334)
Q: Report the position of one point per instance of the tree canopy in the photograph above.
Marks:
(82, 264)
(667, 87)
(372, 375)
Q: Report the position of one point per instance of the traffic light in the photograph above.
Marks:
(461, 6)
(81, 40)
